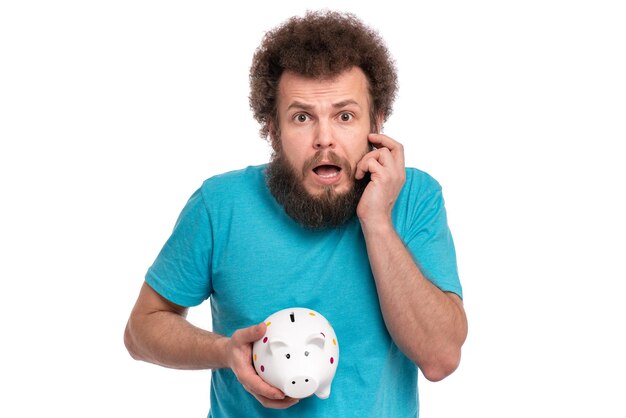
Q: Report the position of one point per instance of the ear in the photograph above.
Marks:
(276, 344)
(317, 339)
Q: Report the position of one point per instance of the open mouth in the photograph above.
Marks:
(327, 171)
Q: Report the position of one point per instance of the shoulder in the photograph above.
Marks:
(420, 195)
(240, 188)
(420, 183)
(237, 181)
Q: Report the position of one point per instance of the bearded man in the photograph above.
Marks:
(335, 223)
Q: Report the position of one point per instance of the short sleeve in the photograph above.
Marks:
(429, 239)
(181, 271)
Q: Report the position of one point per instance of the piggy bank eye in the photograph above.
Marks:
(288, 355)
(306, 353)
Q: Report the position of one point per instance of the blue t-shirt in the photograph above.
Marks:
(233, 243)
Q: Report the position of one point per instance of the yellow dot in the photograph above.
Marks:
(268, 324)
(334, 342)
(254, 357)
(311, 313)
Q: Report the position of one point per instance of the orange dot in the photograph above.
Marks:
(255, 357)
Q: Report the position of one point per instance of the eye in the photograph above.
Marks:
(306, 353)
(288, 356)
(301, 117)
(346, 117)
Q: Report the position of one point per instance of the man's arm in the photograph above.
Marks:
(158, 332)
(427, 324)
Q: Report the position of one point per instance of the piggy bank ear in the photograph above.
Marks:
(317, 339)
(276, 344)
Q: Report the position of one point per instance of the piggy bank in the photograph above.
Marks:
(298, 354)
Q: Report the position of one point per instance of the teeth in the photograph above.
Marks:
(329, 175)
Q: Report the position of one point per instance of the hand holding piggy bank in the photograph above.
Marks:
(298, 354)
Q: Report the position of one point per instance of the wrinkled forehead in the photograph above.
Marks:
(350, 86)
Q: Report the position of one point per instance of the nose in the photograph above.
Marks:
(300, 387)
(324, 136)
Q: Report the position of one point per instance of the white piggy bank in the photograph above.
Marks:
(298, 354)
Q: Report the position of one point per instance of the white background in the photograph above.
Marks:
(112, 113)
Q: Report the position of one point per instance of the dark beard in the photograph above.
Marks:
(328, 210)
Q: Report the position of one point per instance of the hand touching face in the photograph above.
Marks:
(387, 175)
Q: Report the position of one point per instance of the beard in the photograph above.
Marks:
(329, 209)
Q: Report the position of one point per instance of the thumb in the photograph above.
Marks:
(250, 334)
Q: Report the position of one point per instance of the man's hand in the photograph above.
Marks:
(239, 359)
(386, 167)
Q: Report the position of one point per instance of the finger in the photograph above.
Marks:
(380, 140)
(276, 404)
(257, 386)
(384, 157)
(372, 161)
(361, 166)
(250, 334)
(367, 165)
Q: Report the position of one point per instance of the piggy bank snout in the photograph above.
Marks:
(300, 386)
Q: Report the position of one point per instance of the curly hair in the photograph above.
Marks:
(321, 44)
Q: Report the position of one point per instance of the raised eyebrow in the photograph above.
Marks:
(299, 105)
(308, 107)
(345, 103)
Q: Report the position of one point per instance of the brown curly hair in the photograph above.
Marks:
(320, 44)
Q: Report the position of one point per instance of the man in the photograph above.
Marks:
(334, 223)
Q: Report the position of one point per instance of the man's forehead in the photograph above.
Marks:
(296, 104)
(349, 87)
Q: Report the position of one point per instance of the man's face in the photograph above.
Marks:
(323, 128)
